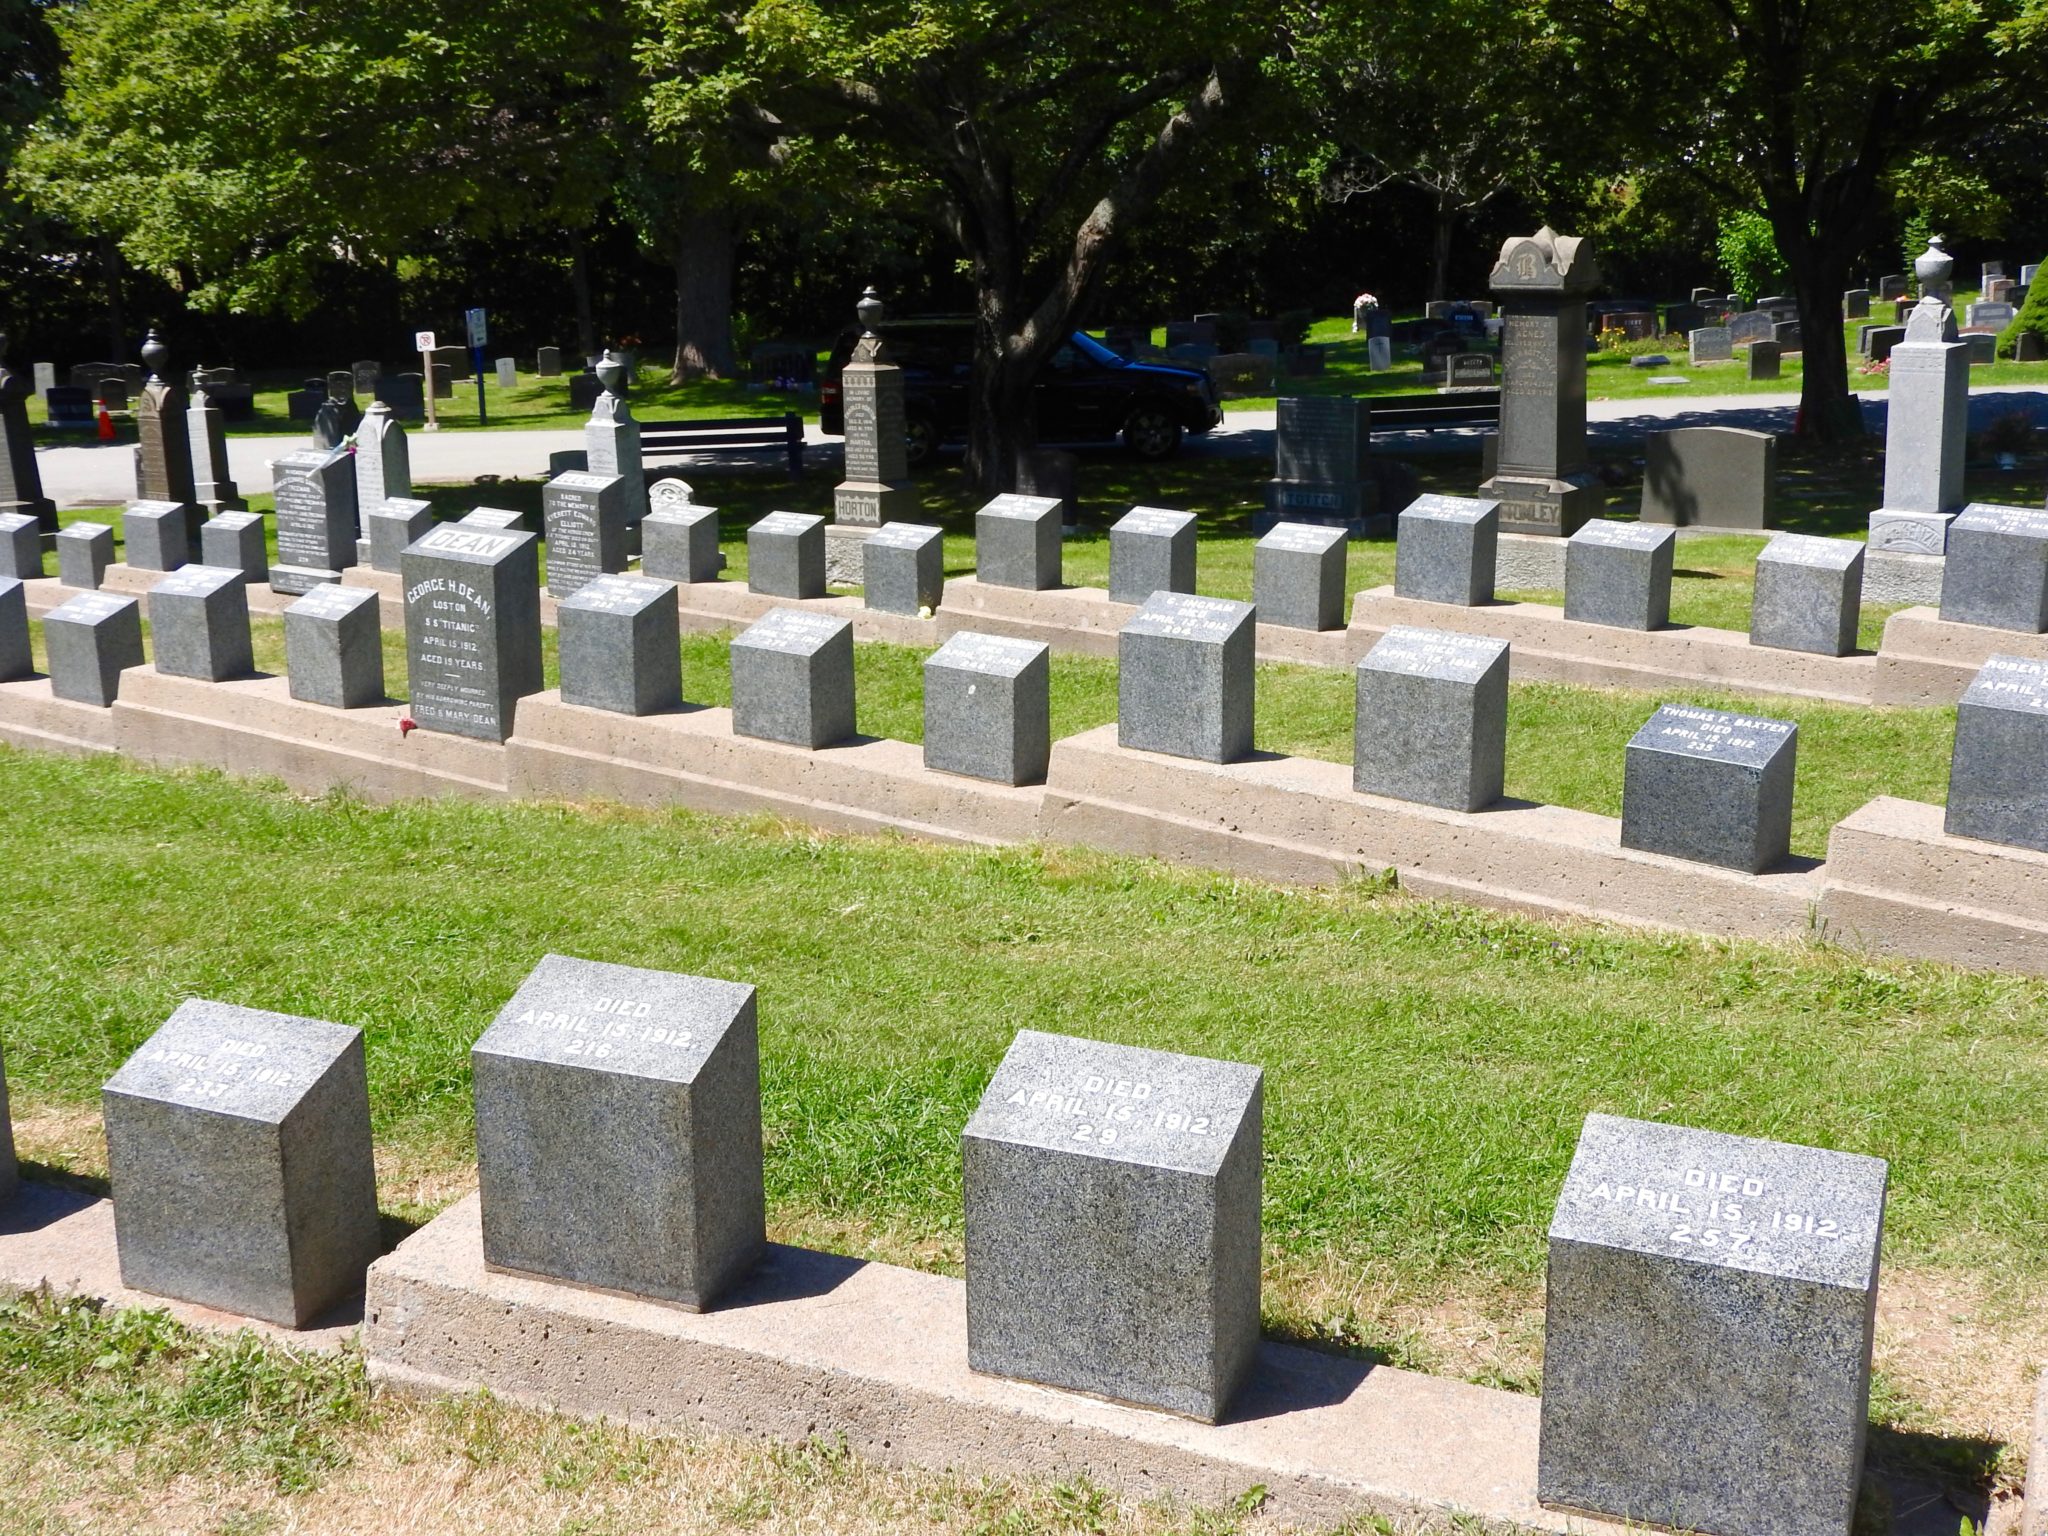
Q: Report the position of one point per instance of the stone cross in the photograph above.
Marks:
(1713, 787)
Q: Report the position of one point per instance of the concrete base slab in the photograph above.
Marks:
(47, 592)
(1529, 562)
(711, 605)
(691, 757)
(1288, 818)
(1898, 884)
(253, 726)
(1891, 579)
(1926, 659)
(1548, 647)
(32, 716)
(819, 1346)
(61, 1241)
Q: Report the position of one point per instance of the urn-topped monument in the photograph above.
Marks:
(877, 487)
(1543, 480)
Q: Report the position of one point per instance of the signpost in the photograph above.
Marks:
(479, 335)
(424, 340)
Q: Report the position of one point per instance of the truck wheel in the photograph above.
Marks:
(1151, 432)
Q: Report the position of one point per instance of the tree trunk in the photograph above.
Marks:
(1002, 408)
(703, 263)
(1443, 225)
(579, 287)
(1828, 412)
(117, 324)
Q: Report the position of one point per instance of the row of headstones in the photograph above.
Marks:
(1809, 590)
(1112, 1199)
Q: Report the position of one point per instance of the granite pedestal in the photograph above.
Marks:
(16, 658)
(21, 546)
(1432, 721)
(1151, 550)
(1809, 595)
(618, 1131)
(84, 551)
(234, 541)
(1997, 572)
(472, 628)
(1017, 543)
(786, 555)
(91, 640)
(1998, 775)
(1112, 1205)
(199, 624)
(1298, 576)
(620, 646)
(1707, 1331)
(1445, 550)
(156, 535)
(334, 647)
(393, 526)
(1710, 786)
(903, 568)
(792, 679)
(238, 1145)
(987, 708)
(1185, 677)
(1619, 574)
(680, 543)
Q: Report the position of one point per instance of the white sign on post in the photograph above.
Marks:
(423, 341)
(478, 335)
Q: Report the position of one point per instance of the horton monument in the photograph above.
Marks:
(876, 489)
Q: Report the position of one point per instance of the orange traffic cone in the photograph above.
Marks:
(106, 425)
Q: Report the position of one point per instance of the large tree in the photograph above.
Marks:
(1036, 135)
(1807, 109)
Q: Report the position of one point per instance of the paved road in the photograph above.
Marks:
(96, 475)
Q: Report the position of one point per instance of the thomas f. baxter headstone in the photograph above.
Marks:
(1710, 786)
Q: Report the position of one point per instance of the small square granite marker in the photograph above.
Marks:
(156, 535)
(1998, 775)
(1709, 786)
(21, 546)
(1185, 677)
(1997, 568)
(1151, 550)
(497, 519)
(903, 568)
(1432, 723)
(1809, 595)
(16, 659)
(1017, 543)
(238, 1144)
(792, 679)
(987, 708)
(618, 1131)
(680, 543)
(1707, 1331)
(585, 518)
(621, 646)
(1298, 576)
(786, 555)
(84, 551)
(1445, 549)
(334, 647)
(91, 640)
(393, 525)
(234, 541)
(1112, 1203)
(1619, 574)
(199, 624)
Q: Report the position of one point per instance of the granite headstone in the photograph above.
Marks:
(1151, 550)
(334, 647)
(156, 535)
(1998, 775)
(987, 708)
(1017, 543)
(585, 516)
(1998, 568)
(234, 541)
(91, 640)
(1298, 576)
(792, 679)
(199, 623)
(392, 528)
(620, 641)
(16, 659)
(680, 543)
(903, 568)
(316, 518)
(1713, 787)
(21, 546)
(84, 551)
(1809, 595)
(1185, 677)
(472, 628)
(786, 555)
(1619, 574)
(1445, 549)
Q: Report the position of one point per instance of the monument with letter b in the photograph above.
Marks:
(1542, 477)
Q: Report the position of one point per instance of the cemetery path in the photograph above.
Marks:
(104, 474)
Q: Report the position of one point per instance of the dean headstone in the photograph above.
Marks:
(199, 623)
(472, 628)
(679, 542)
(1298, 576)
(1432, 719)
(585, 516)
(1713, 787)
(904, 568)
(1619, 574)
(392, 528)
(1709, 1290)
(156, 535)
(786, 555)
(315, 490)
(620, 645)
(792, 679)
(1321, 474)
(1151, 549)
(1185, 677)
(21, 546)
(987, 708)
(611, 438)
(238, 1146)
(16, 661)
(84, 551)
(1998, 775)
(234, 541)
(618, 1129)
(1445, 550)
(91, 640)
(1809, 595)
(1112, 1203)
(1998, 568)
(1017, 543)
(334, 647)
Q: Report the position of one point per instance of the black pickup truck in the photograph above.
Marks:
(1086, 393)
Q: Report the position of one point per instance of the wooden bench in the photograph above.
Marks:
(732, 434)
(1425, 413)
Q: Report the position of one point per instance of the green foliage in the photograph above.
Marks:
(1749, 254)
(2032, 318)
